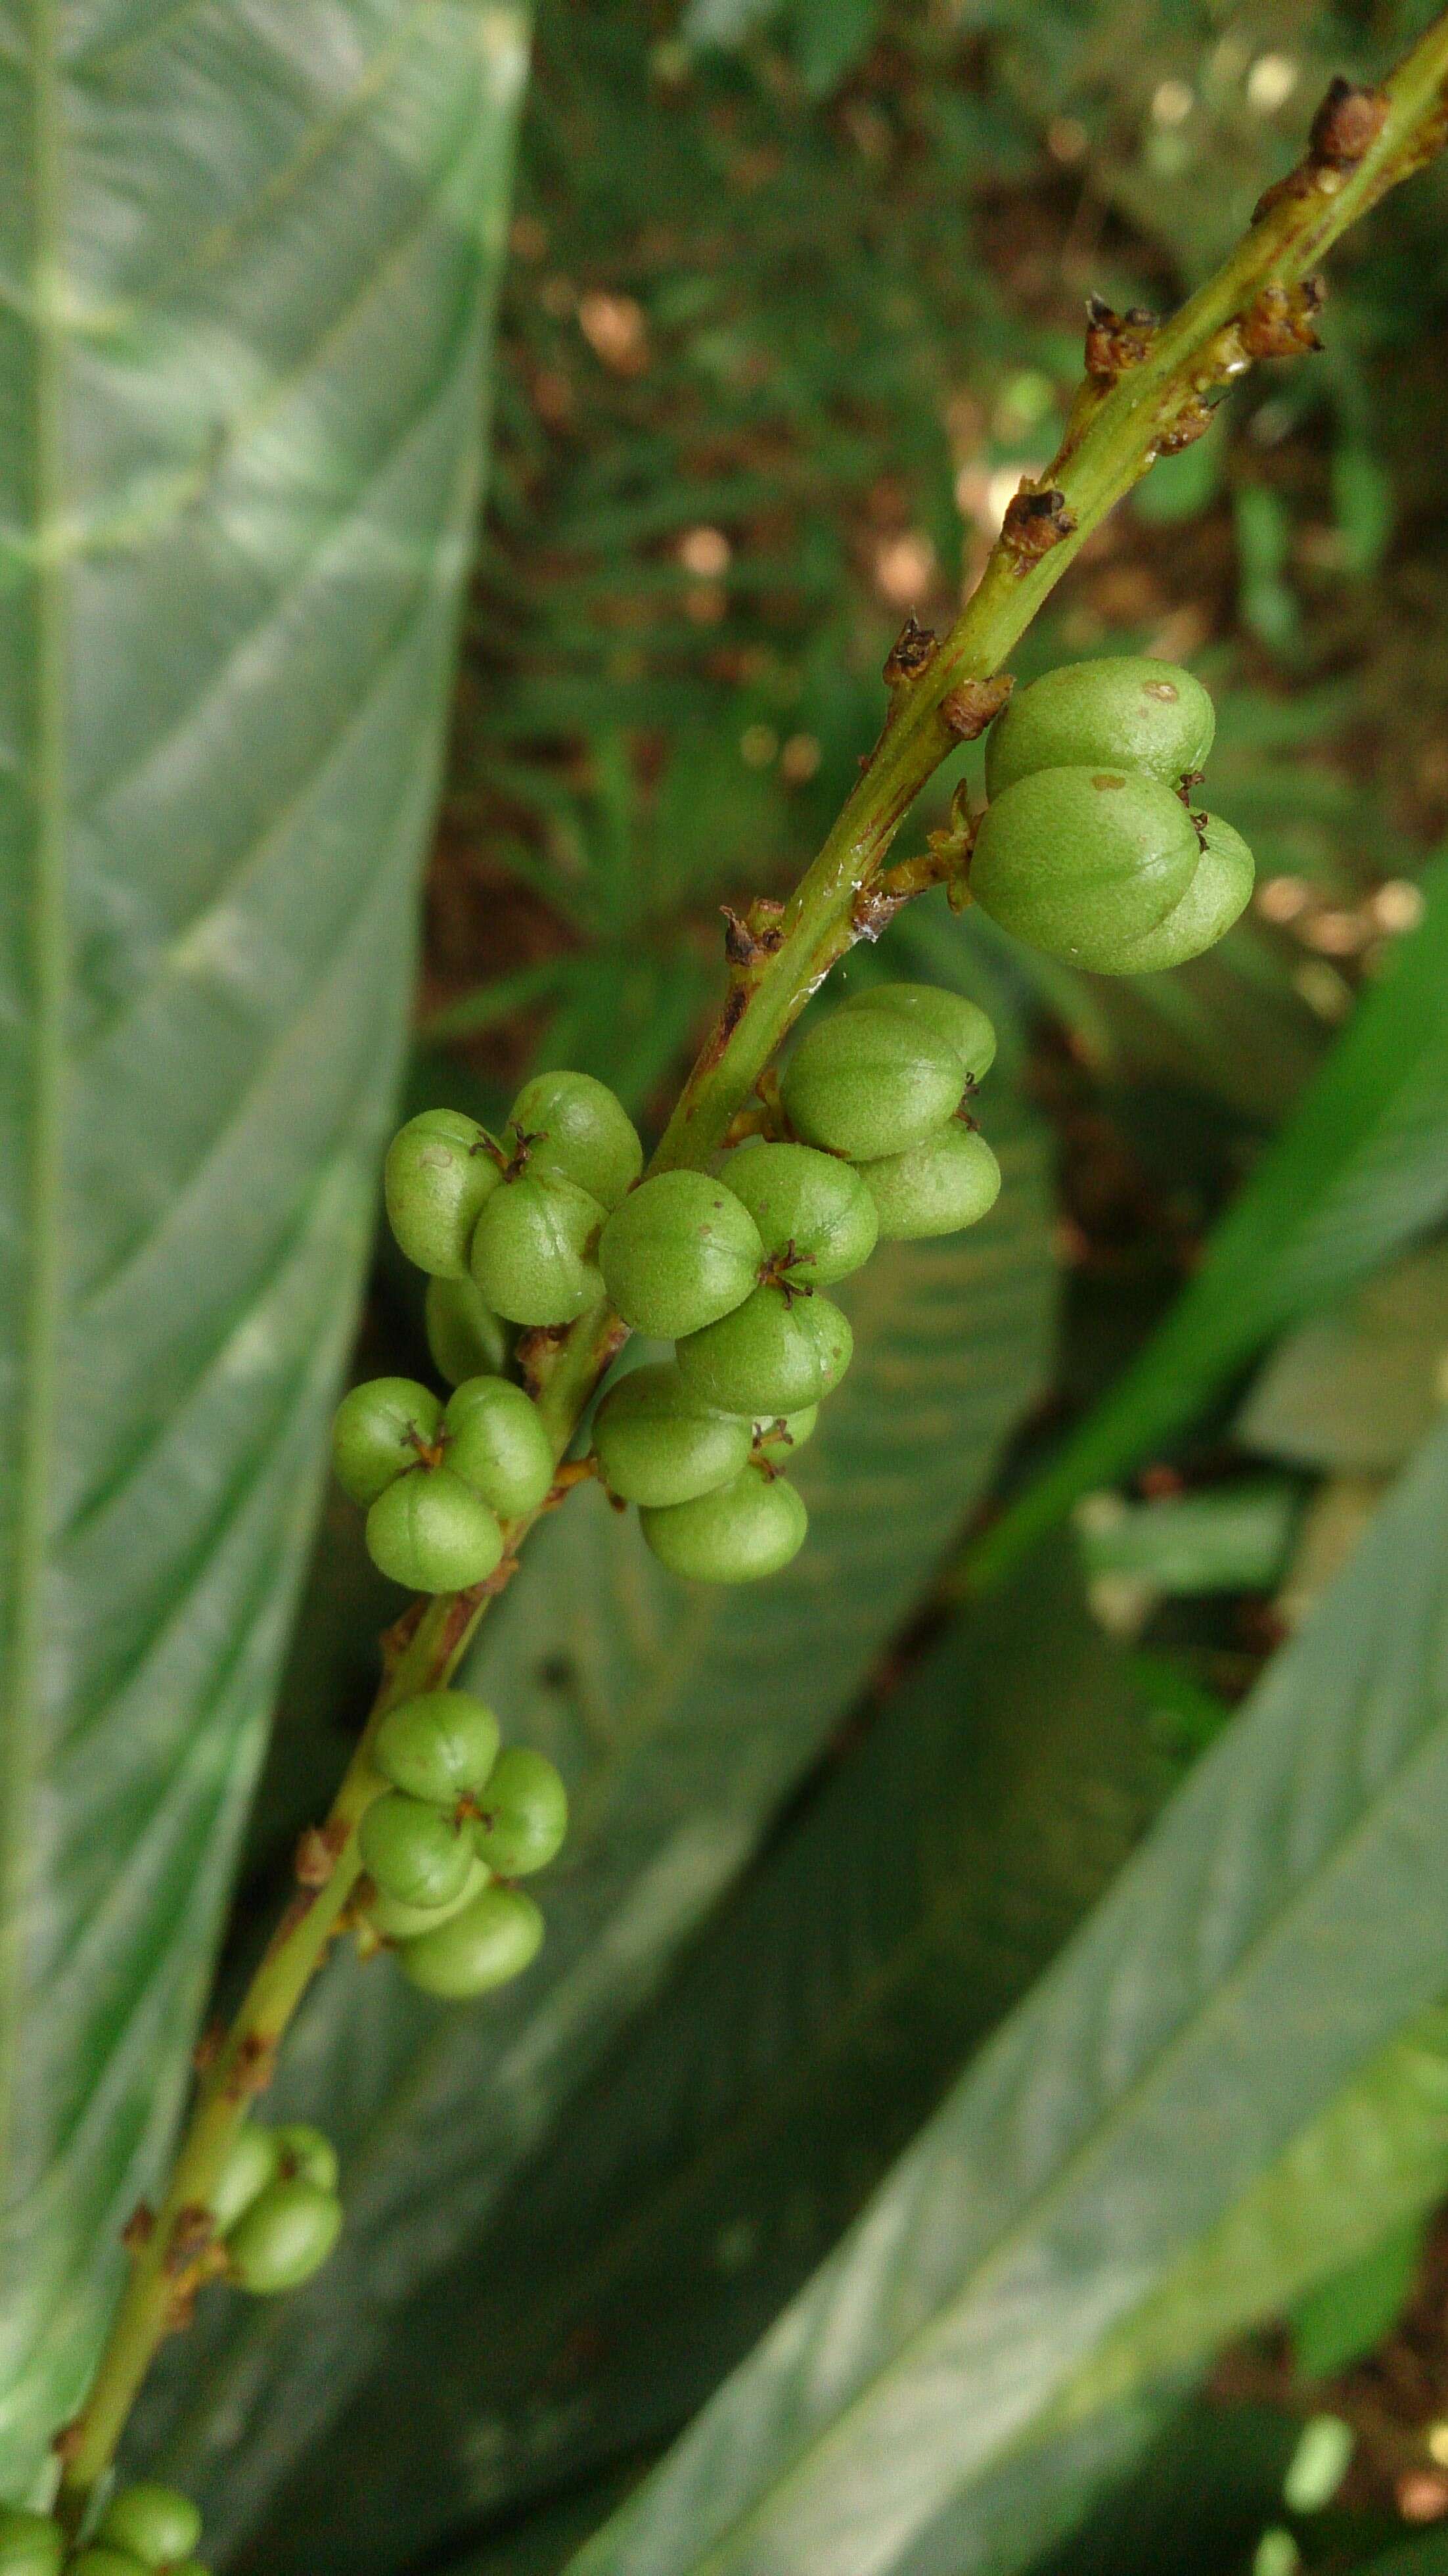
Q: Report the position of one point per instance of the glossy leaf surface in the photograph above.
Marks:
(248, 258)
(1285, 1918)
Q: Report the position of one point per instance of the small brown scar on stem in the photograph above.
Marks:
(1281, 321)
(190, 2236)
(1347, 124)
(1034, 522)
(396, 1639)
(1189, 422)
(736, 1003)
(749, 937)
(255, 2060)
(976, 704)
(534, 1349)
(315, 1856)
(139, 2228)
(1116, 341)
(914, 647)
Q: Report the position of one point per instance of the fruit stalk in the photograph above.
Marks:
(1143, 395)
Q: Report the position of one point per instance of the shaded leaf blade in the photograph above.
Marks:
(1284, 1919)
(233, 541)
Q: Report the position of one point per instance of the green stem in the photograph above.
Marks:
(1114, 438)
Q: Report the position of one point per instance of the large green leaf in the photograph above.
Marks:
(681, 1716)
(1360, 1169)
(1378, 2151)
(1285, 1918)
(717, 2156)
(248, 256)
(1375, 2157)
(721, 2149)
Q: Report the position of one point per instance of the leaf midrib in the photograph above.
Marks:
(50, 963)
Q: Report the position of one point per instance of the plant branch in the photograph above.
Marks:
(1146, 393)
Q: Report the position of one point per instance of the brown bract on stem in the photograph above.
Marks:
(1147, 391)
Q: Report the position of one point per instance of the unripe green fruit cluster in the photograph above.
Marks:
(145, 2527)
(1088, 849)
(458, 1816)
(274, 2206)
(732, 1271)
(438, 1480)
(518, 1216)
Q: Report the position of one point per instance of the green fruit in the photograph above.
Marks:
(523, 1814)
(865, 1083)
(579, 1131)
(440, 1746)
(438, 1174)
(657, 1444)
(30, 2543)
(377, 1431)
(306, 2153)
(1219, 891)
(497, 1444)
(106, 2562)
(493, 1939)
(432, 1533)
(949, 1015)
(412, 1851)
(748, 1528)
(774, 1354)
(1126, 713)
(284, 2237)
(1080, 862)
(950, 1181)
(531, 1249)
(463, 1333)
(155, 2523)
(781, 1431)
(399, 1922)
(680, 1251)
(251, 2163)
(812, 1202)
